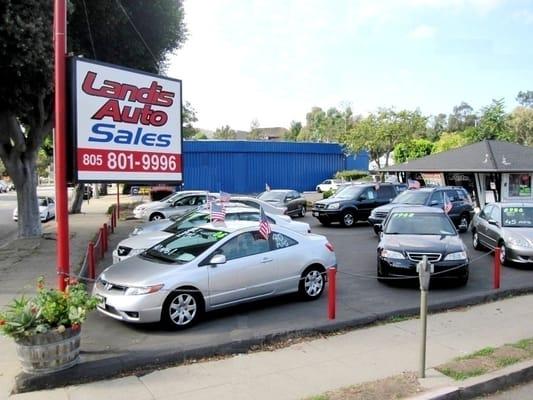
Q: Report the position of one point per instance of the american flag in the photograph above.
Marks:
(224, 197)
(447, 204)
(413, 184)
(264, 226)
(218, 212)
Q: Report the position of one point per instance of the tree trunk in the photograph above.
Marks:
(77, 199)
(29, 219)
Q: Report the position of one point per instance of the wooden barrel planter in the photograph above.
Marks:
(49, 352)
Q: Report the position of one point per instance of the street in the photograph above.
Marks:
(521, 392)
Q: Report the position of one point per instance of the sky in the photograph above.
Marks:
(273, 60)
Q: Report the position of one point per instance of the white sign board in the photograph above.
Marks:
(127, 124)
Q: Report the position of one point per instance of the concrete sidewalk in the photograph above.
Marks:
(313, 367)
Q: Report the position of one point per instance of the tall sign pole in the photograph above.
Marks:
(60, 139)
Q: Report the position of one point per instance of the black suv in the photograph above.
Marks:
(355, 202)
(461, 212)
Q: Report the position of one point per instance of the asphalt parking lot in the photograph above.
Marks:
(360, 300)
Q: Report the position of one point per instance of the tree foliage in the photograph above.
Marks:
(225, 132)
(294, 131)
(525, 98)
(188, 116)
(461, 118)
(448, 141)
(255, 132)
(492, 123)
(521, 125)
(26, 54)
(412, 149)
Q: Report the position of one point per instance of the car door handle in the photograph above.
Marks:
(266, 260)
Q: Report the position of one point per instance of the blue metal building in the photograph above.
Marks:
(247, 166)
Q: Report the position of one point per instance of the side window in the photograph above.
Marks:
(184, 202)
(296, 195)
(232, 217)
(461, 195)
(249, 203)
(386, 192)
(327, 182)
(369, 194)
(244, 245)
(452, 195)
(437, 197)
(281, 241)
(485, 213)
(495, 214)
(251, 216)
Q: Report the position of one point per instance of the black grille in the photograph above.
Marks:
(111, 286)
(123, 251)
(432, 257)
(381, 215)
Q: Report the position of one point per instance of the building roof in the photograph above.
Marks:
(485, 156)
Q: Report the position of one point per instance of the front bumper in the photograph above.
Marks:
(136, 309)
(328, 215)
(139, 214)
(519, 255)
(445, 269)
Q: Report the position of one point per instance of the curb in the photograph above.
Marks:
(145, 361)
(482, 385)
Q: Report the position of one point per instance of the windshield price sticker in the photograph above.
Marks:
(513, 210)
(404, 215)
(127, 124)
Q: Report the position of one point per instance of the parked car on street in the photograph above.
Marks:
(181, 206)
(461, 212)
(410, 233)
(293, 201)
(137, 244)
(144, 209)
(354, 203)
(327, 185)
(47, 209)
(212, 267)
(508, 226)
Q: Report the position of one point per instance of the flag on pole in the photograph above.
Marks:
(264, 226)
(413, 184)
(218, 212)
(224, 197)
(447, 204)
(267, 187)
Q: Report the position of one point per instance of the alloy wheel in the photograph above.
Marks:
(313, 283)
(183, 309)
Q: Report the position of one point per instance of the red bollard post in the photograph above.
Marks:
(105, 237)
(101, 237)
(90, 260)
(111, 224)
(497, 268)
(332, 295)
(117, 214)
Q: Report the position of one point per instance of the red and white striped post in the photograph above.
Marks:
(497, 268)
(332, 295)
(90, 260)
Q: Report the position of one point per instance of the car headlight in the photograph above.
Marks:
(334, 206)
(392, 254)
(139, 208)
(134, 252)
(519, 242)
(137, 231)
(134, 291)
(460, 255)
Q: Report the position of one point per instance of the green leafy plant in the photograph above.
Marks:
(351, 175)
(49, 309)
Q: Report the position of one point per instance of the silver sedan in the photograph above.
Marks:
(212, 267)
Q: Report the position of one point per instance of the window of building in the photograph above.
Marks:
(519, 185)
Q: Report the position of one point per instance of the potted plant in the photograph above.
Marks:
(46, 327)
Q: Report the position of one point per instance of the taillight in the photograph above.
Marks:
(330, 247)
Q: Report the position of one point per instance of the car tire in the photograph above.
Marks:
(303, 210)
(156, 216)
(503, 254)
(182, 309)
(312, 283)
(318, 190)
(381, 275)
(464, 221)
(475, 241)
(324, 221)
(348, 219)
(462, 280)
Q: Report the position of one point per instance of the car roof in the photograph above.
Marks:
(433, 188)
(418, 209)
(512, 204)
(230, 226)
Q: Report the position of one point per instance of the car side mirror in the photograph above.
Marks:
(218, 259)
(493, 222)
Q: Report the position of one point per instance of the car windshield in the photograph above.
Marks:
(272, 196)
(348, 192)
(188, 221)
(169, 197)
(185, 246)
(410, 223)
(42, 202)
(517, 217)
(414, 197)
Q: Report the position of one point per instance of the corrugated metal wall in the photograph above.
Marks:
(246, 166)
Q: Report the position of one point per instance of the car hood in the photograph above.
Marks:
(387, 207)
(136, 271)
(145, 240)
(422, 243)
(519, 233)
(331, 200)
(155, 205)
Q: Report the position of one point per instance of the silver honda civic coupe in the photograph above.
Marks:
(211, 267)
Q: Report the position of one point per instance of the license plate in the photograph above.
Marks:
(101, 301)
(316, 213)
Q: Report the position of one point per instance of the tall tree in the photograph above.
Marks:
(525, 98)
(412, 150)
(255, 132)
(492, 123)
(104, 31)
(448, 141)
(521, 125)
(462, 117)
(188, 116)
(294, 131)
(225, 132)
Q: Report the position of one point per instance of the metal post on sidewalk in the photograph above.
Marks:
(118, 201)
(497, 268)
(90, 260)
(424, 271)
(332, 295)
